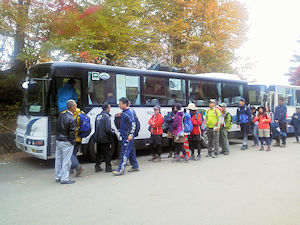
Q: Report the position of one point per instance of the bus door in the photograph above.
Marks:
(59, 82)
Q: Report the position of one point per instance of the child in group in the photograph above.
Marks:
(296, 123)
(264, 121)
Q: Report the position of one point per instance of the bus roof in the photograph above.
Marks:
(97, 67)
(275, 85)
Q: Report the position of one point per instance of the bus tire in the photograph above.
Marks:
(92, 148)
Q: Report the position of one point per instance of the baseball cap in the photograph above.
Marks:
(157, 107)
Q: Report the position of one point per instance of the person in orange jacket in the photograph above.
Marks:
(155, 127)
(263, 127)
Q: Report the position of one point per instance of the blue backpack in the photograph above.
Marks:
(187, 123)
(85, 125)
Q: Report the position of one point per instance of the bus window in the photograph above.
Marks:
(176, 91)
(102, 90)
(200, 92)
(287, 94)
(232, 93)
(155, 90)
(256, 94)
(129, 86)
(297, 97)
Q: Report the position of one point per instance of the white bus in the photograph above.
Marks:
(268, 95)
(96, 84)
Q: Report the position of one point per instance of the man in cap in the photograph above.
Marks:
(155, 126)
(243, 120)
(213, 122)
(194, 137)
(225, 127)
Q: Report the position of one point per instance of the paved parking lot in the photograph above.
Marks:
(245, 187)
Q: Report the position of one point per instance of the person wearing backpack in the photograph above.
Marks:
(155, 127)
(213, 123)
(226, 125)
(103, 131)
(280, 118)
(75, 163)
(194, 137)
(127, 132)
(296, 123)
(263, 127)
(168, 121)
(243, 119)
(178, 132)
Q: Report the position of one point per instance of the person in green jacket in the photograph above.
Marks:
(213, 122)
(225, 127)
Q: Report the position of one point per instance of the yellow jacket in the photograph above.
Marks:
(76, 116)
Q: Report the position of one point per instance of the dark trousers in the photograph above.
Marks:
(245, 128)
(283, 129)
(171, 144)
(74, 158)
(103, 150)
(297, 132)
(194, 143)
(179, 147)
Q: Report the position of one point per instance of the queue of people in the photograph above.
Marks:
(179, 125)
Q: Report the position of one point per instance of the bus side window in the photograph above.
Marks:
(176, 91)
(155, 90)
(129, 87)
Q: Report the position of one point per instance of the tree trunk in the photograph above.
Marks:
(19, 66)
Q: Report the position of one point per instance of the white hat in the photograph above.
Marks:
(191, 106)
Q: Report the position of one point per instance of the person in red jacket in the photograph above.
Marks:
(264, 121)
(155, 127)
(194, 137)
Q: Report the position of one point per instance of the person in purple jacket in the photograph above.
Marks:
(178, 133)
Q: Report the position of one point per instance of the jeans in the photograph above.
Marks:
(63, 154)
(245, 132)
(224, 139)
(74, 158)
(255, 134)
(267, 139)
(127, 153)
(213, 141)
(283, 129)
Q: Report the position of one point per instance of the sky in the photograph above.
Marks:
(273, 28)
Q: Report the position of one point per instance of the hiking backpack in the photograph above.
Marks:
(187, 123)
(85, 125)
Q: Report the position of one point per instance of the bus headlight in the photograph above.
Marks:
(35, 142)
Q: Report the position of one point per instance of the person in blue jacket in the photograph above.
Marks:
(280, 118)
(127, 132)
(243, 120)
(296, 123)
(66, 93)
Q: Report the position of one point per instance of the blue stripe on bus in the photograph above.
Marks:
(29, 126)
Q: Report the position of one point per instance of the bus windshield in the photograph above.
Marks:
(256, 94)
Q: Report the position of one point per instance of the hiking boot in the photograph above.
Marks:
(79, 170)
(261, 148)
(170, 155)
(276, 145)
(222, 152)
(198, 157)
(68, 182)
(269, 148)
(208, 155)
(192, 157)
(108, 170)
(226, 153)
(215, 156)
(283, 145)
(158, 159)
(117, 173)
(133, 170)
(98, 169)
(244, 147)
(255, 145)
